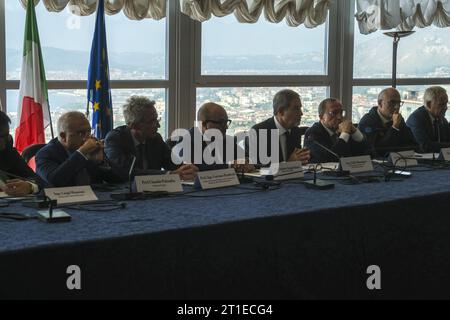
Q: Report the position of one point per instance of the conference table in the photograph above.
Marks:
(242, 242)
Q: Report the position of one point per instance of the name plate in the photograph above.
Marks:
(71, 195)
(445, 154)
(169, 183)
(403, 158)
(218, 178)
(357, 164)
(285, 171)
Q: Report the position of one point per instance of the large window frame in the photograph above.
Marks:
(168, 84)
(183, 67)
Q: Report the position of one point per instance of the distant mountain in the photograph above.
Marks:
(78, 61)
(308, 63)
(423, 54)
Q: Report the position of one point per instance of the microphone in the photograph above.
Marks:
(128, 195)
(135, 195)
(130, 173)
(339, 172)
(327, 149)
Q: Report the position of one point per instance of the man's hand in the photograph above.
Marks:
(302, 155)
(397, 120)
(187, 172)
(92, 149)
(18, 188)
(347, 126)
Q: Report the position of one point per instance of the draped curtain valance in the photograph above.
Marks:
(373, 15)
(133, 9)
(311, 13)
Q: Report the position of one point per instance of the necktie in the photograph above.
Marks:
(335, 138)
(287, 147)
(437, 134)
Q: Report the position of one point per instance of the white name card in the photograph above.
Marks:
(218, 178)
(285, 171)
(169, 183)
(403, 159)
(445, 154)
(70, 195)
(357, 164)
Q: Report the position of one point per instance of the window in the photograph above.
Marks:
(137, 60)
(136, 49)
(424, 54)
(75, 100)
(248, 106)
(364, 98)
(263, 48)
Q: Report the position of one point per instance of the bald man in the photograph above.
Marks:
(74, 157)
(385, 127)
(213, 116)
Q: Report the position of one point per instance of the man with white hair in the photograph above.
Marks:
(140, 138)
(428, 123)
(74, 157)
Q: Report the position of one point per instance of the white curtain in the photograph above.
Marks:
(133, 9)
(404, 15)
(311, 13)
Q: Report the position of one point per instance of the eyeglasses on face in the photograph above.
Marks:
(336, 113)
(395, 104)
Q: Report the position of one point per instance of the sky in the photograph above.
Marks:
(220, 35)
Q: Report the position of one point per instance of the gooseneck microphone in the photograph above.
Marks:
(128, 195)
(327, 149)
(339, 172)
(130, 173)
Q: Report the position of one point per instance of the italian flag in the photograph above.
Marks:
(33, 111)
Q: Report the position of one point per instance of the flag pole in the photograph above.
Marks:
(51, 122)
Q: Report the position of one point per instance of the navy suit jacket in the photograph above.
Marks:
(59, 169)
(343, 149)
(203, 166)
(120, 150)
(293, 142)
(12, 162)
(422, 128)
(383, 139)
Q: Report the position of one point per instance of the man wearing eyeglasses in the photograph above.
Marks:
(334, 133)
(428, 123)
(140, 138)
(12, 165)
(74, 157)
(287, 110)
(212, 117)
(385, 127)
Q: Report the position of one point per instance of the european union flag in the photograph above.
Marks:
(98, 86)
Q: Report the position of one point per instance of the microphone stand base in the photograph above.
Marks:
(57, 216)
(318, 185)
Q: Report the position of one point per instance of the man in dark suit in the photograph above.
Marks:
(428, 123)
(385, 127)
(12, 165)
(339, 136)
(287, 110)
(140, 138)
(213, 123)
(74, 158)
